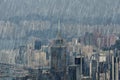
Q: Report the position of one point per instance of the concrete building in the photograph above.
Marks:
(22, 56)
(115, 66)
(37, 44)
(58, 58)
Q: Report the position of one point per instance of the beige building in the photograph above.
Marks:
(87, 50)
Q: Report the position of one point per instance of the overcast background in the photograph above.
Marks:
(21, 20)
(105, 11)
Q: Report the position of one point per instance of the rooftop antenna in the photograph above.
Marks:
(59, 30)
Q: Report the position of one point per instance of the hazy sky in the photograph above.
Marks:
(93, 12)
(75, 9)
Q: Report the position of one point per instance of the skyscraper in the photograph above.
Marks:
(58, 57)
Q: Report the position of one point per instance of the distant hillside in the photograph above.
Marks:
(54, 19)
(83, 11)
(22, 19)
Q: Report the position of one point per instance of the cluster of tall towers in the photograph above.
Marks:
(59, 67)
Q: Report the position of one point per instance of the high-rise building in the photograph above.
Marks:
(37, 45)
(72, 72)
(115, 61)
(115, 66)
(58, 58)
(21, 58)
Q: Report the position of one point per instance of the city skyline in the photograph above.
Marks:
(59, 40)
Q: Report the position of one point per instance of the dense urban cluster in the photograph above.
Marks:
(84, 45)
(92, 56)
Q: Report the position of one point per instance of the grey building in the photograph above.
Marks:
(58, 58)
